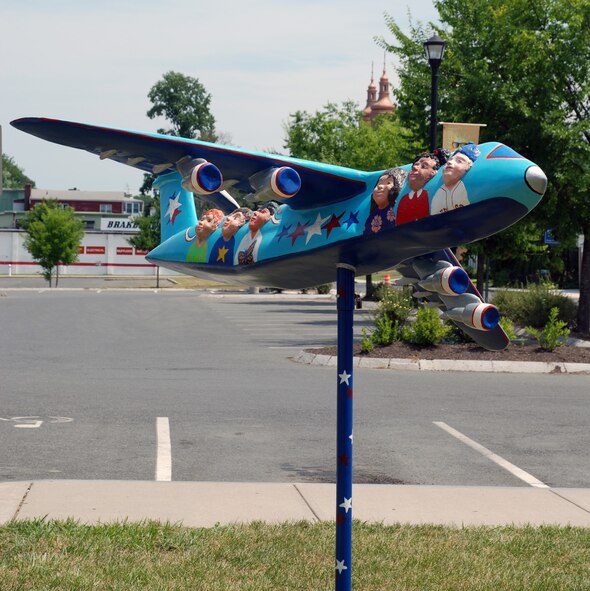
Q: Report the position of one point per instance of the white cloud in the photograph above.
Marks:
(260, 60)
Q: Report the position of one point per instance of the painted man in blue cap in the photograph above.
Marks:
(452, 193)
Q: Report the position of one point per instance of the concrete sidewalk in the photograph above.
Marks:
(205, 504)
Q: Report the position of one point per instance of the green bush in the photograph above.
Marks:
(386, 331)
(427, 329)
(395, 303)
(553, 334)
(508, 327)
(324, 288)
(532, 306)
(367, 344)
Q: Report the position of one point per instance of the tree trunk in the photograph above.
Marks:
(369, 288)
(481, 272)
(56, 275)
(584, 302)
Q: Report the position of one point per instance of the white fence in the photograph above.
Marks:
(101, 253)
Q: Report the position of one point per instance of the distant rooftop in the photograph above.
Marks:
(75, 195)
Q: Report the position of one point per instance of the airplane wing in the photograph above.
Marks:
(321, 184)
(439, 279)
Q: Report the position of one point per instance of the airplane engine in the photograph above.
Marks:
(447, 281)
(479, 316)
(203, 178)
(275, 183)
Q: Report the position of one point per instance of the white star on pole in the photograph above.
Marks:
(346, 505)
(344, 377)
(316, 228)
(340, 566)
(173, 205)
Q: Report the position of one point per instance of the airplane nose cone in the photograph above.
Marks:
(536, 179)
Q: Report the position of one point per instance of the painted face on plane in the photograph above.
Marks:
(381, 191)
(206, 226)
(455, 169)
(421, 172)
(232, 223)
(258, 219)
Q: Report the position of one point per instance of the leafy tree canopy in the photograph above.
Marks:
(54, 235)
(522, 67)
(337, 135)
(13, 176)
(148, 236)
(185, 103)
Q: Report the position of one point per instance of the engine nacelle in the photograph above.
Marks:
(479, 316)
(202, 178)
(447, 281)
(280, 183)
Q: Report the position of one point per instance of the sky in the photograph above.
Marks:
(261, 60)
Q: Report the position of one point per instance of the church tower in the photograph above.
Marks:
(381, 104)
(371, 99)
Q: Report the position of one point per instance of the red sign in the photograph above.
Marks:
(141, 252)
(81, 250)
(124, 250)
(96, 249)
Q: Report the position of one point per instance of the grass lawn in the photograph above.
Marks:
(40, 555)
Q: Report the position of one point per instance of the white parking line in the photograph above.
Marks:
(514, 470)
(164, 451)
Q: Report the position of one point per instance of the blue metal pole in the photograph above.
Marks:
(345, 305)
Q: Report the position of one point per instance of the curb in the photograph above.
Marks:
(448, 364)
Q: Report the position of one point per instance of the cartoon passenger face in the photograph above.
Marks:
(208, 223)
(455, 168)
(421, 172)
(382, 190)
(258, 219)
(233, 222)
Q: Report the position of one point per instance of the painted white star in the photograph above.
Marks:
(173, 205)
(344, 377)
(316, 228)
(351, 438)
(346, 505)
(340, 566)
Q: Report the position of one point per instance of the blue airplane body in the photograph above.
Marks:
(322, 223)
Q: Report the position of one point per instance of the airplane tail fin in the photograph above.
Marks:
(177, 206)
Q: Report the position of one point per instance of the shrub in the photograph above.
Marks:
(386, 331)
(553, 334)
(508, 327)
(395, 303)
(427, 329)
(532, 306)
(324, 288)
(367, 344)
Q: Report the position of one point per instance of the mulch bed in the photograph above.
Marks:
(514, 352)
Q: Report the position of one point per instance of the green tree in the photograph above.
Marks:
(54, 236)
(523, 68)
(337, 135)
(185, 103)
(148, 236)
(13, 176)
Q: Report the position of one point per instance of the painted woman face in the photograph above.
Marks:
(381, 191)
(232, 223)
(455, 169)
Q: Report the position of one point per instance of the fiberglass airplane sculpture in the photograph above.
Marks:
(321, 216)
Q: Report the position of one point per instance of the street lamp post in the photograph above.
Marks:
(435, 49)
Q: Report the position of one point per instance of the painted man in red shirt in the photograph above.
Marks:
(414, 204)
